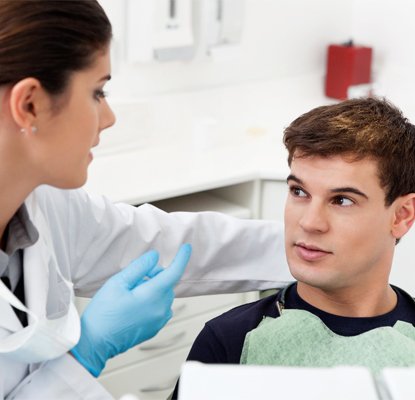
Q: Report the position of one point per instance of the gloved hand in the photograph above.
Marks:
(131, 307)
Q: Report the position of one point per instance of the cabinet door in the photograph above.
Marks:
(189, 318)
(273, 195)
(151, 369)
(403, 267)
(157, 373)
(151, 380)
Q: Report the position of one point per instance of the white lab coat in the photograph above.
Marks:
(91, 239)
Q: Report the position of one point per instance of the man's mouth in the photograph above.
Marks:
(310, 252)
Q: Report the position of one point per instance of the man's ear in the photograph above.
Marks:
(25, 100)
(404, 215)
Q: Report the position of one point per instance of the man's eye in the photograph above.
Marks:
(342, 201)
(297, 192)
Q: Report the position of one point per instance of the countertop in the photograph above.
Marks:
(175, 144)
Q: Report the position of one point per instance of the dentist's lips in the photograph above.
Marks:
(91, 155)
(309, 252)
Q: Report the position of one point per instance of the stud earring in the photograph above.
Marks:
(33, 129)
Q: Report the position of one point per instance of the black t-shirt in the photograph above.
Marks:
(221, 340)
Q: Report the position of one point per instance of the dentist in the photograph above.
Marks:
(56, 240)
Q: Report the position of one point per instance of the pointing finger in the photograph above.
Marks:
(133, 274)
(171, 275)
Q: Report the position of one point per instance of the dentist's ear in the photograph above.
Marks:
(24, 101)
(404, 215)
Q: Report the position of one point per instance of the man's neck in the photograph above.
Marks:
(350, 302)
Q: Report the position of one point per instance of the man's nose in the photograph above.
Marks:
(314, 218)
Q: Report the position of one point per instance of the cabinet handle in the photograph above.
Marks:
(166, 386)
(163, 345)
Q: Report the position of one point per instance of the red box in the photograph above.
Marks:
(346, 65)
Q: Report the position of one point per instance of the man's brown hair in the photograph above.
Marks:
(356, 129)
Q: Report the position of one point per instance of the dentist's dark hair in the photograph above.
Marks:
(50, 39)
(356, 129)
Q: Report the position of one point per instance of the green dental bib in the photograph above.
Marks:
(299, 338)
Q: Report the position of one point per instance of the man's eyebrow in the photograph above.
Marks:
(292, 177)
(346, 189)
(349, 190)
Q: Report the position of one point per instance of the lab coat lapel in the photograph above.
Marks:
(47, 293)
(8, 319)
(36, 259)
(35, 267)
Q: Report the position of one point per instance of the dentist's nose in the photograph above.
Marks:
(107, 117)
(314, 218)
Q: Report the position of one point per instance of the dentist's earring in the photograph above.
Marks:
(32, 128)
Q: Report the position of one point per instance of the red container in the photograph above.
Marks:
(347, 65)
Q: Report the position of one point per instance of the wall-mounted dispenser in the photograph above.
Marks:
(166, 30)
(159, 30)
(217, 23)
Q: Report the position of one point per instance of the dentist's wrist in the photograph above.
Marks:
(93, 370)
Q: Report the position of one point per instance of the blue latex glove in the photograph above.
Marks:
(131, 307)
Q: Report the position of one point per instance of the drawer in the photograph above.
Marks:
(172, 337)
(151, 380)
(190, 306)
(203, 201)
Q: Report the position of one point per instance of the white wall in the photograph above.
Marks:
(284, 38)
(388, 26)
(281, 38)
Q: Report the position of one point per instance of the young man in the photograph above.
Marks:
(351, 199)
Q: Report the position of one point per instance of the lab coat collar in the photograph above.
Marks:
(36, 259)
(9, 321)
(40, 278)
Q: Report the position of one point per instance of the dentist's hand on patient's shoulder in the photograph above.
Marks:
(131, 307)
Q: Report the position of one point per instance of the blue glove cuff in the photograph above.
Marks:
(93, 371)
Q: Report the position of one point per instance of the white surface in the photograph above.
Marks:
(400, 383)
(203, 202)
(247, 382)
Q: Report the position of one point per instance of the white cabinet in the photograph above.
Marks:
(189, 315)
(151, 369)
(273, 196)
(403, 266)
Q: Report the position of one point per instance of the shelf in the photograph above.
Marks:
(203, 201)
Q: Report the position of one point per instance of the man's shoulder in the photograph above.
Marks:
(245, 317)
